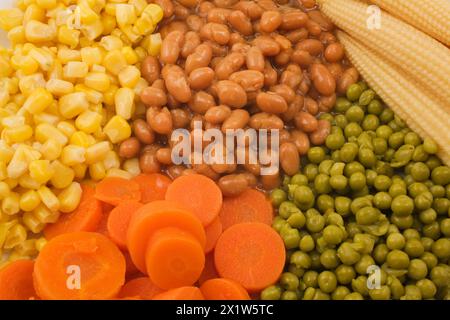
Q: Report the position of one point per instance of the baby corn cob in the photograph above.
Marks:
(401, 93)
(424, 58)
(432, 17)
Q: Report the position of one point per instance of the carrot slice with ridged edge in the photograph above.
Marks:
(250, 206)
(223, 289)
(213, 232)
(118, 220)
(141, 287)
(183, 293)
(153, 186)
(251, 254)
(154, 216)
(114, 190)
(16, 281)
(79, 265)
(86, 217)
(197, 193)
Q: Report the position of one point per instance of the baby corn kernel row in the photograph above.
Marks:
(69, 84)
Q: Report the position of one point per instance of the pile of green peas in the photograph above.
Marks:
(375, 194)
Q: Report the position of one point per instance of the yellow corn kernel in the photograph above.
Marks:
(110, 9)
(109, 95)
(97, 152)
(2, 171)
(59, 87)
(155, 12)
(46, 4)
(36, 32)
(4, 97)
(26, 64)
(115, 61)
(129, 76)
(111, 43)
(38, 101)
(72, 155)
(125, 14)
(75, 69)
(117, 129)
(144, 25)
(97, 171)
(41, 171)
(18, 134)
(56, 71)
(124, 101)
(30, 83)
(113, 172)
(130, 55)
(13, 121)
(141, 85)
(26, 248)
(92, 95)
(141, 53)
(69, 36)
(82, 139)
(26, 182)
(29, 201)
(18, 164)
(45, 118)
(87, 14)
(32, 223)
(70, 197)
(92, 30)
(10, 18)
(99, 69)
(46, 131)
(109, 23)
(91, 55)
(132, 34)
(40, 243)
(73, 104)
(111, 160)
(45, 215)
(12, 183)
(10, 203)
(17, 35)
(48, 198)
(67, 128)
(63, 175)
(122, 36)
(139, 5)
(97, 81)
(132, 166)
(16, 235)
(154, 46)
(4, 190)
(65, 55)
(88, 121)
(80, 170)
(44, 58)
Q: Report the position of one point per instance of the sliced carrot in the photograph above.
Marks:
(251, 254)
(114, 190)
(174, 258)
(223, 289)
(118, 221)
(16, 281)
(86, 217)
(197, 193)
(131, 270)
(213, 232)
(79, 265)
(153, 186)
(102, 225)
(141, 287)
(250, 206)
(209, 271)
(154, 216)
(183, 293)
(106, 207)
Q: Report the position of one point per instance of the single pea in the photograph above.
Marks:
(335, 156)
(335, 141)
(416, 188)
(384, 132)
(311, 171)
(396, 139)
(441, 248)
(301, 260)
(342, 205)
(432, 230)
(386, 115)
(375, 107)
(430, 146)
(342, 105)
(309, 293)
(441, 175)
(413, 139)
(296, 220)
(325, 202)
(320, 295)
(278, 224)
(420, 172)
(397, 289)
(441, 205)
(289, 295)
(325, 166)
(335, 219)
(423, 201)
(348, 152)
(277, 196)
(333, 234)
(360, 285)
(310, 278)
(307, 243)
(427, 243)
(286, 209)
(354, 91)
(315, 223)
(289, 281)
(348, 254)
(419, 154)
(367, 157)
(352, 130)
(366, 97)
(403, 222)
(430, 260)
(445, 227)
(362, 266)
(379, 146)
(326, 116)
(427, 288)
(304, 197)
(359, 203)
(382, 183)
(417, 269)
(271, 293)
(370, 122)
(361, 193)
(316, 154)
(394, 126)
(402, 205)
(322, 184)
(395, 241)
(299, 180)
(414, 248)
(397, 259)
(345, 274)
(327, 281)
(440, 275)
(428, 216)
(291, 238)
(367, 216)
(381, 293)
(340, 293)
(297, 271)
(389, 155)
(329, 259)
(354, 296)
(366, 242)
(433, 162)
(370, 177)
(380, 253)
(355, 114)
(338, 182)
(352, 168)
(438, 191)
(357, 181)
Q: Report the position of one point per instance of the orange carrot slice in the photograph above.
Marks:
(209, 271)
(154, 216)
(223, 289)
(118, 221)
(131, 270)
(142, 288)
(114, 190)
(197, 193)
(16, 281)
(86, 217)
(79, 265)
(250, 206)
(213, 232)
(153, 186)
(251, 254)
(183, 293)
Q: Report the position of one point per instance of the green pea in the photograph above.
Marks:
(366, 97)
(310, 279)
(396, 139)
(360, 285)
(402, 205)
(395, 241)
(316, 154)
(277, 196)
(431, 230)
(298, 272)
(441, 175)
(296, 220)
(386, 115)
(354, 296)
(438, 191)
(394, 126)
(289, 295)
(396, 286)
(384, 132)
(441, 248)
(380, 253)
(419, 154)
(348, 254)
(354, 91)
(291, 238)
(332, 234)
(289, 281)
(304, 197)
(382, 183)
(342, 104)
(352, 130)
(278, 223)
(335, 141)
(445, 227)
(375, 107)
(440, 275)
(338, 182)
(340, 293)
(327, 281)
(433, 162)
(307, 243)
(315, 223)
(417, 269)
(430, 260)
(427, 288)
(363, 85)
(414, 248)
(367, 157)
(416, 188)
(357, 181)
(286, 209)
(361, 192)
(413, 139)
(286, 181)
(423, 201)
(363, 264)
(329, 259)
(441, 205)
(397, 189)
(342, 205)
(420, 172)
(367, 216)
(325, 202)
(352, 168)
(389, 155)
(299, 180)
(310, 171)
(360, 203)
(334, 219)
(370, 122)
(301, 260)
(427, 243)
(397, 259)
(345, 274)
(428, 216)
(430, 146)
(379, 146)
(402, 156)
(326, 116)
(348, 152)
(382, 200)
(271, 293)
(370, 177)
(322, 183)
(402, 222)
(325, 166)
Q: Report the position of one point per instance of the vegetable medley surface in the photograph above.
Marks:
(95, 206)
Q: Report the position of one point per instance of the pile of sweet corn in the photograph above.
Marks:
(68, 86)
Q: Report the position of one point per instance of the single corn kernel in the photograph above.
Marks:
(130, 55)
(124, 101)
(44, 215)
(45, 118)
(125, 14)
(16, 235)
(98, 68)
(72, 155)
(97, 171)
(129, 76)
(44, 58)
(36, 32)
(26, 182)
(110, 43)
(27, 65)
(4, 190)
(132, 34)
(139, 5)
(65, 55)
(29, 201)
(70, 197)
(17, 35)
(40, 243)
(88, 121)
(115, 61)
(46, 131)
(6, 152)
(154, 46)
(82, 139)
(47, 4)
(111, 160)
(87, 14)
(80, 170)
(12, 183)
(29, 84)
(41, 171)
(48, 198)
(59, 87)
(109, 95)
(141, 85)
(18, 164)
(10, 18)
(38, 101)
(10, 204)
(155, 12)
(63, 175)
(17, 134)
(75, 69)
(109, 23)
(69, 36)
(2, 171)
(92, 95)
(32, 223)
(113, 172)
(26, 248)
(92, 30)
(132, 166)
(73, 104)
(67, 128)
(97, 81)
(97, 152)
(141, 53)
(91, 55)
(117, 129)
(144, 25)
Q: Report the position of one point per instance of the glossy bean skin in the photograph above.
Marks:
(154, 97)
(302, 57)
(271, 102)
(231, 94)
(311, 106)
(249, 80)
(301, 141)
(289, 158)
(270, 182)
(349, 77)
(334, 52)
(297, 35)
(233, 184)
(171, 47)
(264, 120)
(215, 32)
(326, 103)
(160, 121)
(191, 41)
(201, 78)
(270, 21)
(176, 83)
(306, 122)
(270, 75)
(313, 46)
(231, 63)
(200, 58)
(292, 76)
(293, 108)
(194, 22)
(250, 9)
(323, 80)
(201, 102)
(148, 163)
(129, 148)
(180, 118)
(268, 46)
(143, 132)
(150, 69)
(319, 18)
(240, 22)
(254, 59)
(320, 135)
(293, 19)
(217, 114)
(237, 119)
(164, 156)
(285, 91)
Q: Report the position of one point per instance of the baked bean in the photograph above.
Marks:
(164, 156)
(225, 3)
(284, 57)
(150, 69)
(231, 63)
(271, 102)
(284, 42)
(313, 28)
(256, 27)
(143, 132)
(206, 170)
(270, 75)
(293, 108)
(129, 148)
(252, 181)
(349, 77)
(304, 86)
(254, 59)
(175, 171)
(240, 22)
(306, 122)
(268, 46)
(212, 126)
(313, 46)
(197, 118)
(270, 21)
(172, 103)
(201, 78)
(270, 182)
(326, 103)
(218, 15)
(324, 23)
(322, 79)
(301, 141)
(231, 94)
(201, 102)
(308, 4)
(253, 169)
(249, 80)
(224, 168)
(171, 46)
(153, 97)
(237, 119)
(335, 70)
(160, 121)
(204, 7)
(267, 5)
(289, 158)
(327, 38)
(295, 36)
(232, 184)
(177, 25)
(176, 83)
(194, 22)
(291, 78)
(236, 38)
(180, 118)
(311, 106)
(191, 41)
(188, 172)
(240, 47)
(284, 136)
(180, 11)
(166, 6)
(148, 163)
(264, 120)
(217, 114)
(319, 136)
(250, 9)
(200, 58)
(334, 52)
(302, 57)
(215, 32)
(285, 91)
(189, 3)
(293, 19)
(217, 49)
(159, 84)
